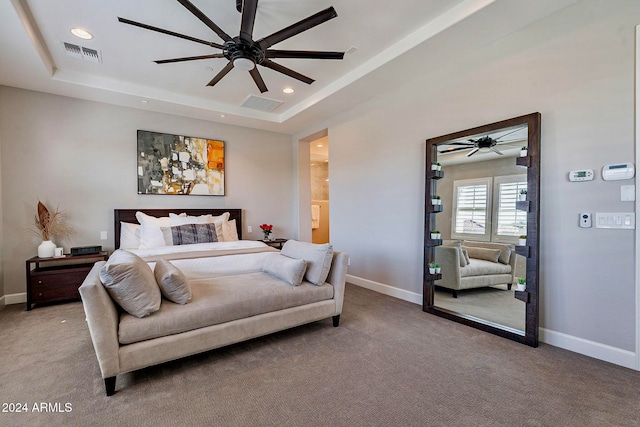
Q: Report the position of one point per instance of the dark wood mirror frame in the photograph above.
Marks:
(529, 297)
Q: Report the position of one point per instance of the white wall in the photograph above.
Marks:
(81, 156)
(576, 67)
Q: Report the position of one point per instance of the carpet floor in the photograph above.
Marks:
(387, 364)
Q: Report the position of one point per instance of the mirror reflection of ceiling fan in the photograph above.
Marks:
(487, 142)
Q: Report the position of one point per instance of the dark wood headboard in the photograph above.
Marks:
(129, 215)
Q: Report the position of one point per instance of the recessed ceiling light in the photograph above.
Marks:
(288, 90)
(222, 115)
(81, 33)
(144, 101)
(319, 145)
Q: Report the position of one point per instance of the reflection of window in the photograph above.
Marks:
(471, 207)
(509, 222)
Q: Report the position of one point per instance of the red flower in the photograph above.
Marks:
(266, 227)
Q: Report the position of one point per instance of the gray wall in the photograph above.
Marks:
(576, 67)
(81, 156)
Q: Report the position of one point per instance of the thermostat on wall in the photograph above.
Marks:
(581, 175)
(618, 171)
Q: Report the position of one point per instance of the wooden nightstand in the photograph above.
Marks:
(58, 279)
(276, 243)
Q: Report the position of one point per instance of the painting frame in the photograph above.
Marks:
(171, 164)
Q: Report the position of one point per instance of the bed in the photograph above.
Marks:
(238, 290)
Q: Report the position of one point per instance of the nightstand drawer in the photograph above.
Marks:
(57, 284)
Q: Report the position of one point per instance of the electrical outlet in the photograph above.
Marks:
(103, 235)
(249, 229)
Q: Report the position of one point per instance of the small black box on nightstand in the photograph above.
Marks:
(86, 250)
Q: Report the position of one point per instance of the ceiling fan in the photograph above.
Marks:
(243, 52)
(484, 142)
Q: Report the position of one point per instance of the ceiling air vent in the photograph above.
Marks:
(82, 52)
(260, 103)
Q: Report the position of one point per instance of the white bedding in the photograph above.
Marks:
(211, 266)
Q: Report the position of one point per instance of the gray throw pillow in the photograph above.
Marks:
(189, 234)
(131, 283)
(284, 268)
(172, 282)
(317, 256)
(483, 253)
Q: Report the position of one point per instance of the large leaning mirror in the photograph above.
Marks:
(481, 227)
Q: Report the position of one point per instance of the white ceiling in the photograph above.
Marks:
(394, 41)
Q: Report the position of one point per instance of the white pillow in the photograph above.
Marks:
(229, 231)
(183, 219)
(129, 235)
(284, 268)
(150, 232)
(317, 256)
(131, 283)
(172, 282)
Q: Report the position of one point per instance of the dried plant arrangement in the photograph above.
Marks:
(52, 224)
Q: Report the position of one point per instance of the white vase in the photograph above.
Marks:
(523, 153)
(522, 242)
(520, 287)
(46, 249)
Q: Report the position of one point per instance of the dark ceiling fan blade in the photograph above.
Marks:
(495, 151)
(509, 133)
(472, 152)
(451, 150)
(298, 27)
(205, 19)
(189, 58)
(170, 33)
(221, 74)
(257, 78)
(303, 54)
(249, 8)
(468, 144)
(287, 71)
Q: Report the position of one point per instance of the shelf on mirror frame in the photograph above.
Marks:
(436, 208)
(436, 174)
(434, 242)
(523, 205)
(523, 250)
(436, 276)
(523, 161)
(522, 296)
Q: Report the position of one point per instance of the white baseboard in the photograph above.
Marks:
(15, 298)
(386, 289)
(593, 349)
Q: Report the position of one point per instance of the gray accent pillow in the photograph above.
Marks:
(131, 283)
(189, 234)
(284, 268)
(317, 256)
(483, 253)
(173, 284)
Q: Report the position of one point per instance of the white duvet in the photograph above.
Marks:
(210, 265)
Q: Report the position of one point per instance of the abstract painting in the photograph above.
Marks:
(179, 165)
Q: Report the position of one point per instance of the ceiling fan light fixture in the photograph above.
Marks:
(244, 64)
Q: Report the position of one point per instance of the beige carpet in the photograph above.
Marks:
(388, 364)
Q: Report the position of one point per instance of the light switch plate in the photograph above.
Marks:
(627, 193)
(616, 220)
